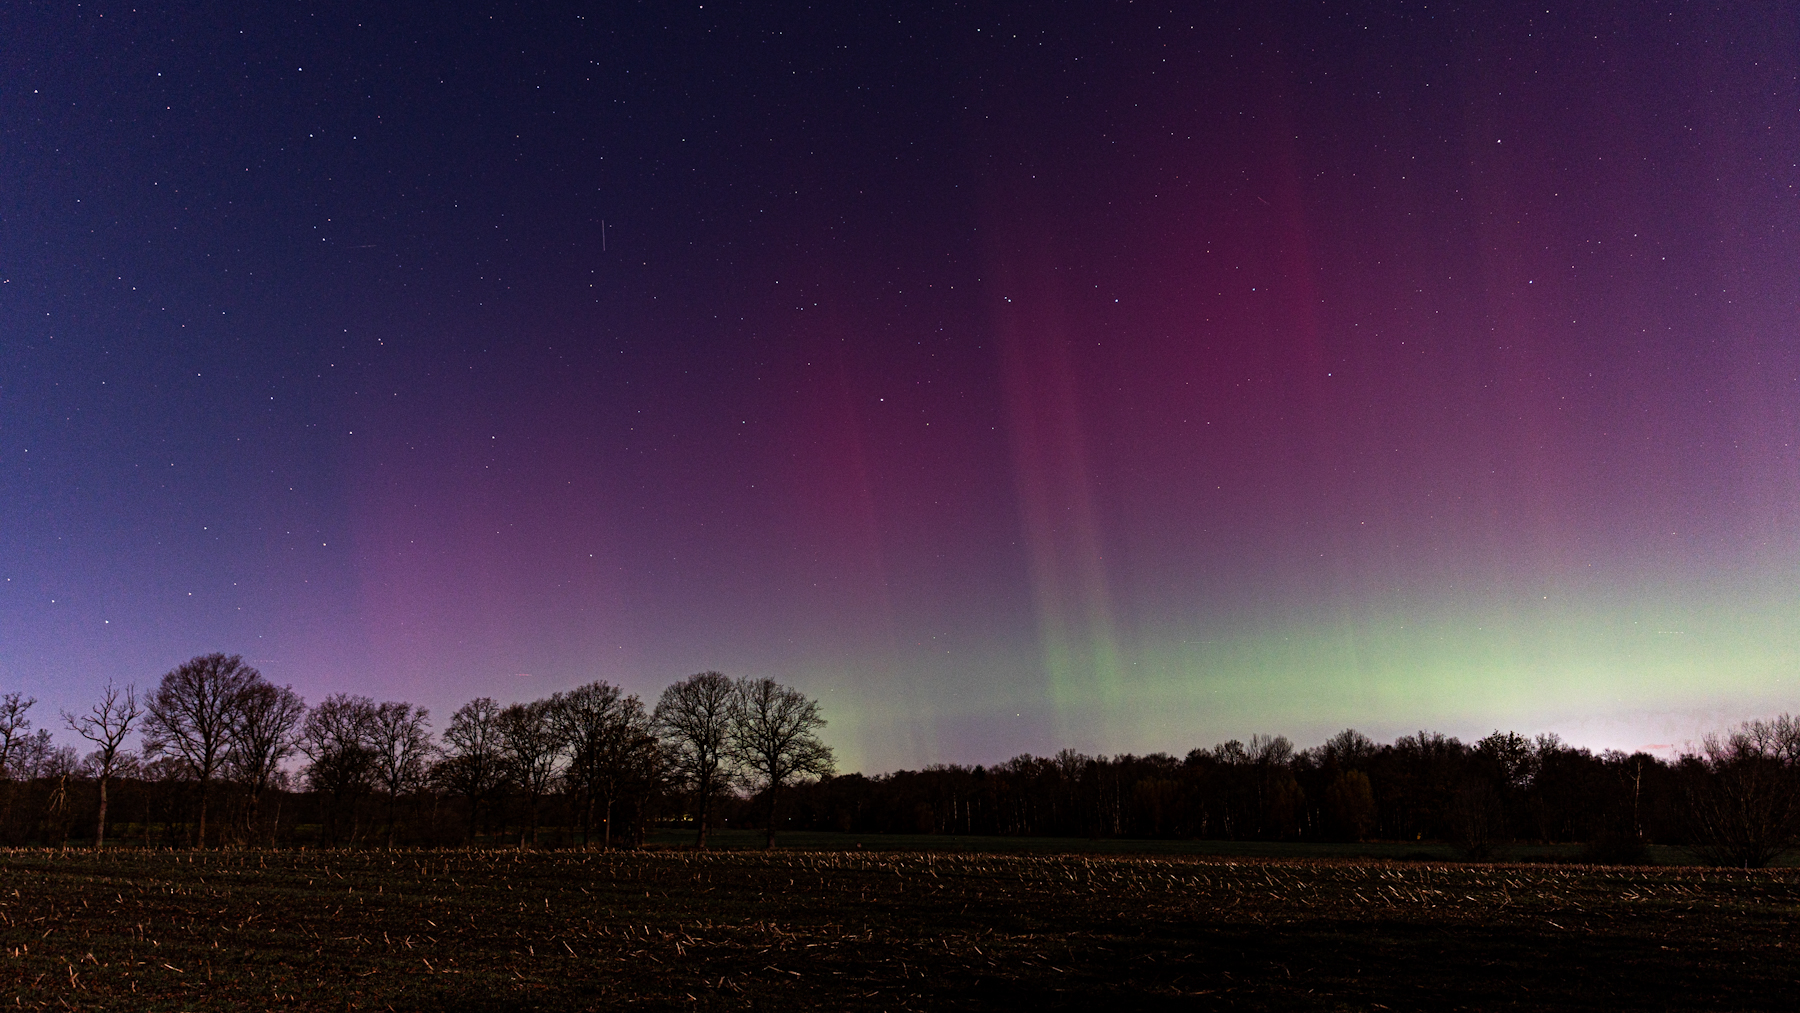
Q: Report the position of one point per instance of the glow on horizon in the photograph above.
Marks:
(1156, 385)
(1606, 668)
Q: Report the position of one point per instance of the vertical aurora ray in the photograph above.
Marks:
(1071, 375)
(1078, 641)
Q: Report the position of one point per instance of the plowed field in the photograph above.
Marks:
(793, 930)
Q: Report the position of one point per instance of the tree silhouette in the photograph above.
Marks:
(774, 740)
(400, 744)
(13, 727)
(191, 716)
(693, 719)
(1348, 750)
(613, 751)
(336, 739)
(1744, 798)
(262, 735)
(531, 750)
(472, 765)
(105, 725)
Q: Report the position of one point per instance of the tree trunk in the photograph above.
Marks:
(587, 818)
(59, 808)
(700, 841)
(254, 806)
(200, 839)
(770, 846)
(100, 823)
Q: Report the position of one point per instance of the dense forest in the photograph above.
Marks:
(227, 759)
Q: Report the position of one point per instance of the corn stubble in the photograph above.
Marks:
(792, 930)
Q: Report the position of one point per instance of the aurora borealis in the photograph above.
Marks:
(1099, 375)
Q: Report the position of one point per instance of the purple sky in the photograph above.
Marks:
(1101, 375)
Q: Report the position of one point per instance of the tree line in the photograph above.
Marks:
(227, 758)
(1734, 800)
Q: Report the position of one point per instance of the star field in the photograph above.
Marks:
(1115, 376)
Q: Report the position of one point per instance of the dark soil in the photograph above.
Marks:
(793, 930)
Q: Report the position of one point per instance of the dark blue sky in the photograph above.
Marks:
(1106, 375)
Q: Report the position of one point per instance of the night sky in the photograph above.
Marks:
(1009, 376)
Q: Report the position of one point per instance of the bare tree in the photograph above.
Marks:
(583, 716)
(472, 765)
(693, 718)
(612, 750)
(1347, 750)
(634, 776)
(1744, 800)
(38, 756)
(13, 727)
(105, 725)
(262, 736)
(1512, 756)
(775, 739)
(532, 750)
(125, 764)
(401, 742)
(335, 738)
(191, 716)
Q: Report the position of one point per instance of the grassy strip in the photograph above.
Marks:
(879, 930)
